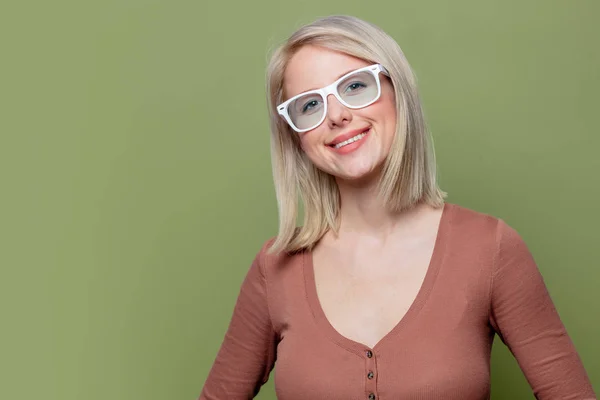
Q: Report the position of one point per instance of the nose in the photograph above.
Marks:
(338, 115)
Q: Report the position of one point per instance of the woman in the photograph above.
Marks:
(386, 291)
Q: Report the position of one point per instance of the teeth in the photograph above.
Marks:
(351, 140)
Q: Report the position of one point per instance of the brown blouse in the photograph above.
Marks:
(482, 280)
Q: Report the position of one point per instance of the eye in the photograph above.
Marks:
(309, 105)
(354, 86)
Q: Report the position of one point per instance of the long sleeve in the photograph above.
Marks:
(247, 354)
(525, 318)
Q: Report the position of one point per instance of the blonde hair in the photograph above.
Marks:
(409, 173)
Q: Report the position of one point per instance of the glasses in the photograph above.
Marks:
(356, 89)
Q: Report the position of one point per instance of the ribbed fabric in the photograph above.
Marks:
(482, 280)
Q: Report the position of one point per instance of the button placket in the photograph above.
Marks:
(370, 375)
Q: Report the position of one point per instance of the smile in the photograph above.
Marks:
(351, 140)
(351, 144)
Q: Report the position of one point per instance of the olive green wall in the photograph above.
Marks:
(136, 183)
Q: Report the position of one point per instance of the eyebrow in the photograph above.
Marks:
(315, 88)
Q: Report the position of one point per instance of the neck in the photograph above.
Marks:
(362, 211)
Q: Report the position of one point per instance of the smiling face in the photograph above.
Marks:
(350, 144)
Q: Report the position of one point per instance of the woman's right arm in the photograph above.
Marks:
(247, 354)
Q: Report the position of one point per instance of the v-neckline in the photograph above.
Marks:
(418, 302)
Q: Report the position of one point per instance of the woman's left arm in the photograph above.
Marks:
(524, 316)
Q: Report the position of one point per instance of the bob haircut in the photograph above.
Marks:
(409, 172)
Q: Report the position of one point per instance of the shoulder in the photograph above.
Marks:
(272, 262)
(471, 222)
(469, 219)
(477, 227)
(480, 229)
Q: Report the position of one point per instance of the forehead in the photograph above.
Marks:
(314, 67)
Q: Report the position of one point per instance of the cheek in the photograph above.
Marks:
(309, 147)
(302, 145)
(388, 116)
(389, 110)
(312, 140)
(305, 142)
(384, 116)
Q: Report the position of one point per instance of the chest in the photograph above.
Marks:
(364, 295)
(440, 345)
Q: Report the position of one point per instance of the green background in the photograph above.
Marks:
(136, 182)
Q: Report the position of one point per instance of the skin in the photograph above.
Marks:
(325, 67)
(384, 256)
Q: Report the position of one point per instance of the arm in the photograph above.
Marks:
(525, 318)
(247, 354)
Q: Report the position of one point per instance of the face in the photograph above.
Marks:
(316, 67)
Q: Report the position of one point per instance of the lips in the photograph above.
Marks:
(346, 136)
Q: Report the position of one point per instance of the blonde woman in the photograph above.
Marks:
(386, 291)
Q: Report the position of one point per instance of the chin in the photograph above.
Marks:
(357, 175)
(358, 168)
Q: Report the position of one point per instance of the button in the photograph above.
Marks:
(369, 354)
(370, 375)
(371, 396)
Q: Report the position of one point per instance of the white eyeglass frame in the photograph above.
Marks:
(375, 69)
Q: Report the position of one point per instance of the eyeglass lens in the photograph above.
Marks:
(357, 90)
